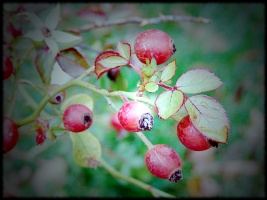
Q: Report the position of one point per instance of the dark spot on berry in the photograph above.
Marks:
(87, 119)
(176, 176)
(146, 122)
(173, 48)
(213, 143)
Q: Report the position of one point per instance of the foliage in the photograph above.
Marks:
(79, 48)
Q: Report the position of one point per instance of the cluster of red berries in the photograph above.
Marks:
(133, 116)
(10, 128)
(161, 160)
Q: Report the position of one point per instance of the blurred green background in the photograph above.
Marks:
(232, 47)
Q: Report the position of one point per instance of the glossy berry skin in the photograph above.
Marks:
(10, 135)
(77, 118)
(115, 123)
(7, 68)
(164, 162)
(154, 43)
(135, 116)
(191, 138)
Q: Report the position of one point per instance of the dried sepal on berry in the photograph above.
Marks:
(77, 118)
(135, 116)
(164, 162)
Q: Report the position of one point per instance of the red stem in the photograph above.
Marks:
(165, 86)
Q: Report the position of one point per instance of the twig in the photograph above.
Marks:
(111, 104)
(29, 100)
(34, 85)
(142, 22)
(77, 82)
(148, 144)
(136, 182)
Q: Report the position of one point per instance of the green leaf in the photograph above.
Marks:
(169, 71)
(19, 49)
(35, 20)
(83, 99)
(57, 131)
(168, 103)
(70, 40)
(209, 117)
(124, 49)
(53, 17)
(54, 128)
(182, 112)
(113, 61)
(72, 62)
(151, 87)
(55, 122)
(198, 80)
(86, 149)
(153, 63)
(99, 68)
(44, 63)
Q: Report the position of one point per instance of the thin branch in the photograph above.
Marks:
(156, 192)
(148, 144)
(141, 22)
(111, 104)
(34, 85)
(77, 82)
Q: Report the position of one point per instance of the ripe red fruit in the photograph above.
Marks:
(7, 68)
(164, 162)
(77, 118)
(135, 116)
(11, 134)
(154, 43)
(116, 125)
(191, 138)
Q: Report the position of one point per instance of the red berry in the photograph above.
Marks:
(77, 118)
(135, 116)
(154, 43)
(11, 134)
(164, 162)
(115, 123)
(191, 138)
(7, 68)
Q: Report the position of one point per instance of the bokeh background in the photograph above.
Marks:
(231, 46)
